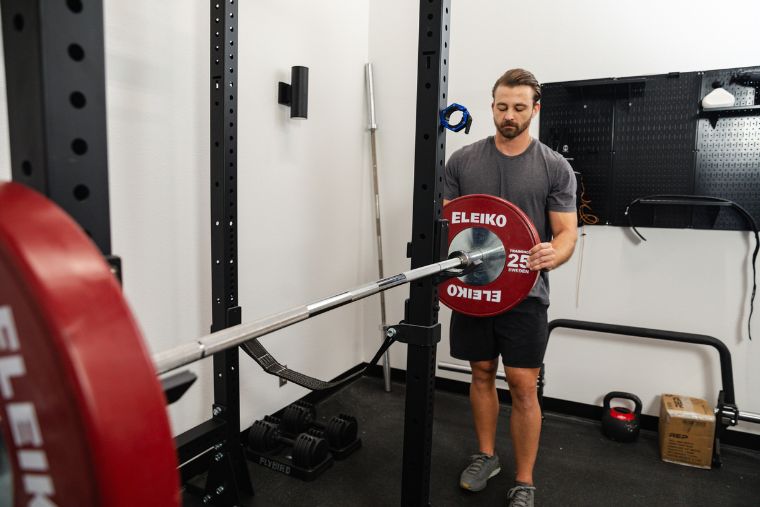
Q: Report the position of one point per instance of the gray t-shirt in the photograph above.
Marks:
(537, 181)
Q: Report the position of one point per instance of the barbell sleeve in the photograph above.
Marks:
(231, 337)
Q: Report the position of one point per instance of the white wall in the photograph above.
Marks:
(682, 280)
(305, 189)
(157, 106)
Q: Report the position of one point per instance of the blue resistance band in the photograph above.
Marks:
(464, 123)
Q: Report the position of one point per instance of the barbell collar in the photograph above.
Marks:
(237, 335)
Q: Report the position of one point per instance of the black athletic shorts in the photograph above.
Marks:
(519, 335)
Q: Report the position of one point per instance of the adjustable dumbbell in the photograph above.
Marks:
(308, 450)
(339, 431)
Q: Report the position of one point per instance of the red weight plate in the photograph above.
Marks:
(483, 221)
(83, 415)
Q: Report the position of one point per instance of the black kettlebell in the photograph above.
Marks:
(619, 423)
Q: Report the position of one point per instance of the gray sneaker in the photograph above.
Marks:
(521, 496)
(481, 468)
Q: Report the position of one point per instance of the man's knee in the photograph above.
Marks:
(484, 372)
(523, 387)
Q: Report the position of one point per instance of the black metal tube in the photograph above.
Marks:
(726, 370)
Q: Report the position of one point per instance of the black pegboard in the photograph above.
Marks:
(654, 145)
(578, 124)
(637, 136)
(728, 157)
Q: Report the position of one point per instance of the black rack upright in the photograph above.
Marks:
(422, 311)
(55, 80)
(217, 440)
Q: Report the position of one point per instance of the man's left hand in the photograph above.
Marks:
(543, 257)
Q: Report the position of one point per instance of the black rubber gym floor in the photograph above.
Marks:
(577, 466)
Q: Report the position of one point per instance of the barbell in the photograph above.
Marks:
(83, 414)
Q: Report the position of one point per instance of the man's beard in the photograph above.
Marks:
(515, 130)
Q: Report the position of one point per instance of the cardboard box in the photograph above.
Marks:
(687, 431)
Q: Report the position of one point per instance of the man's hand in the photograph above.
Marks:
(543, 257)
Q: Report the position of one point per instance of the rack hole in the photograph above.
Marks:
(79, 146)
(76, 52)
(18, 22)
(78, 100)
(26, 168)
(81, 192)
(74, 6)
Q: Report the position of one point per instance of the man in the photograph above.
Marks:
(514, 166)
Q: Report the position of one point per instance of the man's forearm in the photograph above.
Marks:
(564, 246)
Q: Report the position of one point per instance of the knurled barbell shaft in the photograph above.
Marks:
(233, 336)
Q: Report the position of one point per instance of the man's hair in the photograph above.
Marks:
(518, 77)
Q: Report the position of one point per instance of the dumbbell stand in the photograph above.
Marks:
(342, 452)
(280, 460)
